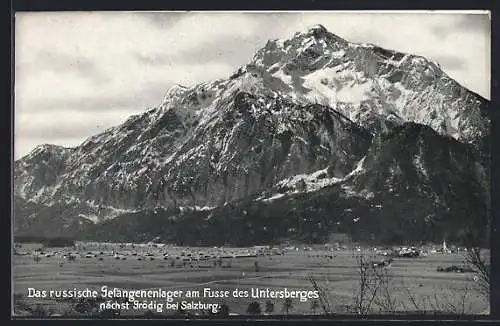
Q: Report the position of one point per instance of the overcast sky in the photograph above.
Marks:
(79, 73)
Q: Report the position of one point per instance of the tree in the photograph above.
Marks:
(208, 312)
(269, 307)
(256, 266)
(110, 313)
(86, 305)
(180, 311)
(367, 286)
(224, 310)
(314, 306)
(476, 238)
(287, 305)
(149, 314)
(254, 308)
(481, 268)
(39, 311)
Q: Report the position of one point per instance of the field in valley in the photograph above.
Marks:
(413, 283)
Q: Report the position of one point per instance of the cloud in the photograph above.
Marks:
(161, 19)
(140, 86)
(152, 59)
(23, 146)
(471, 23)
(239, 53)
(71, 129)
(480, 23)
(96, 105)
(67, 123)
(63, 63)
(450, 62)
(234, 49)
(66, 128)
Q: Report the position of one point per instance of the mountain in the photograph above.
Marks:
(391, 197)
(312, 125)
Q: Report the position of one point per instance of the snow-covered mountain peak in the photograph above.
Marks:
(302, 48)
(313, 116)
(317, 28)
(319, 31)
(367, 83)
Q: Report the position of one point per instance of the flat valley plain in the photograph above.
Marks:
(414, 284)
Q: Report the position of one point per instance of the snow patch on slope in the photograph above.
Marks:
(316, 181)
(93, 218)
(272, 198)
(313, 181)
(329, 86)
(357, 170)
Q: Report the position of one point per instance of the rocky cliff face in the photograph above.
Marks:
(307, 115)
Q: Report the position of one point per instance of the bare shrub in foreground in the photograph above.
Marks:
(441, 301)
(374, 285)
(378, 293)
(481, 267)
